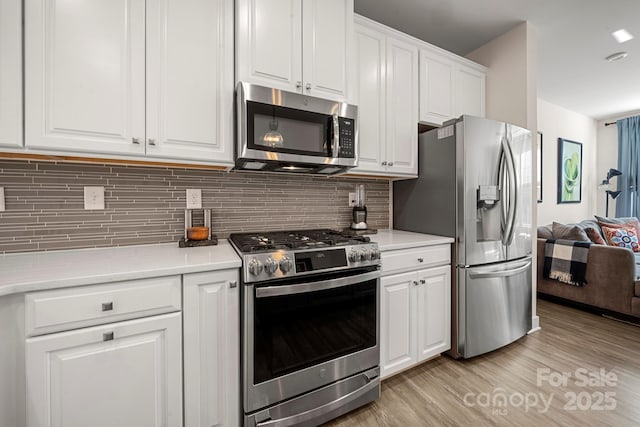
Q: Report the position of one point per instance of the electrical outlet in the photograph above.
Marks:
(194, 198)
(352, 199)
(2, 206)
(94, 198)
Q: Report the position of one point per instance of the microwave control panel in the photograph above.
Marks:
(347, 137)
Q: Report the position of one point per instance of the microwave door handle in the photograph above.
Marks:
(335, 150)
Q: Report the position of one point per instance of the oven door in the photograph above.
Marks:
(299, 335)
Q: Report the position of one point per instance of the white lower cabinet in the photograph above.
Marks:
(120, 374)
(211, 349)
(415, 312)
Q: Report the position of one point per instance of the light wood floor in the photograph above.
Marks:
(433, 394)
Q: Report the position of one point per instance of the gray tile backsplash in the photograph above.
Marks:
(45, 207)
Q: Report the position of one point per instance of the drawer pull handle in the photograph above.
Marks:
(420, 259)
(107, 306)
(233, 284)
(415, 283)
(423, 281)
(107, 336)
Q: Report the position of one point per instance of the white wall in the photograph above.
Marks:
(557, 122)
(607, 158)
(511, 78)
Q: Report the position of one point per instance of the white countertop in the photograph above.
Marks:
(389, 240)
(31, 271)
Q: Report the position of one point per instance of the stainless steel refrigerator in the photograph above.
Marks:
(475, 185)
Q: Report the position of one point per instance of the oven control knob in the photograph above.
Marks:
(255, 267)
(270, 266)
(365, 255)
(354, 256)
(286, 265)
(375, 253)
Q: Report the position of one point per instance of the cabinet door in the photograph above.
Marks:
(190, 80)
(211, 349)
(402, 107)
(470, 91)
(11, 73)
(436, 88)
(269, 43)
(397, 323)
(122, 374)
(84, 75)
(370, 93)
(327, 47)
(434, 311)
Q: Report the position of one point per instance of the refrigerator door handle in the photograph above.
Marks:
(504, 273)
(513, 191)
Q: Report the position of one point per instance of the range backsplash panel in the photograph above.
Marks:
(45, 205)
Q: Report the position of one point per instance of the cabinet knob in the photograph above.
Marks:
(152, 141)
(135, 140)
(107, 306)
(420, 259)
(390, 163)
(298, 85)
(107, 336)
(308, 86)
(415, 282)
(384, 163)
(423, 281)
(233, 284)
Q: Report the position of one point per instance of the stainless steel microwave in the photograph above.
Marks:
(280, 131)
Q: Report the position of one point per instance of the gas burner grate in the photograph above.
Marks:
(296, 239)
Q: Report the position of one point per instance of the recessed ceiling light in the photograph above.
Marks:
(616, 56)
(622, 35)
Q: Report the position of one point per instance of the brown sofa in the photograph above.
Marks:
(613, 283)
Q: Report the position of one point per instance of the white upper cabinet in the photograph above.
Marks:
(269, 42)
(402, 107)
(84, 64)
(387, 98)
(371, 84)
(295, 45)
(436, 88)
(190, 79)
(450, 86)
(130, 77)
(11, 73)
(470, 85)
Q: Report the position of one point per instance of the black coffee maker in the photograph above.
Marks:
(359, 210)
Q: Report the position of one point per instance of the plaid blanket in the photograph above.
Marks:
(566, 261)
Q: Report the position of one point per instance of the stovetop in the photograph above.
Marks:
(284, 254)
(293, 240)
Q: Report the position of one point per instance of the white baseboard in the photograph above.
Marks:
(535, 325)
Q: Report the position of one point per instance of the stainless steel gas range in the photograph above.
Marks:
(310, 325)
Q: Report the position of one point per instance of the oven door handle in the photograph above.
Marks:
(272, 291)
(320, 410)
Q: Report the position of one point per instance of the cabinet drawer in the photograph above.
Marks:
(415, 258)
(64, 309)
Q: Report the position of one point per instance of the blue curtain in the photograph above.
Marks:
(628, 202)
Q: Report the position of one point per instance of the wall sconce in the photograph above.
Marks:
(612, 193)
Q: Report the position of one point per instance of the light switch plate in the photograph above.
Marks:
(2, 205)
(94, 198)
(194, 198)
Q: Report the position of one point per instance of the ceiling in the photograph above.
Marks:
(574, 37)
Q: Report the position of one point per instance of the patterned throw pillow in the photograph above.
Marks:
(629, 224)
(594, 236)
(624, 237)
